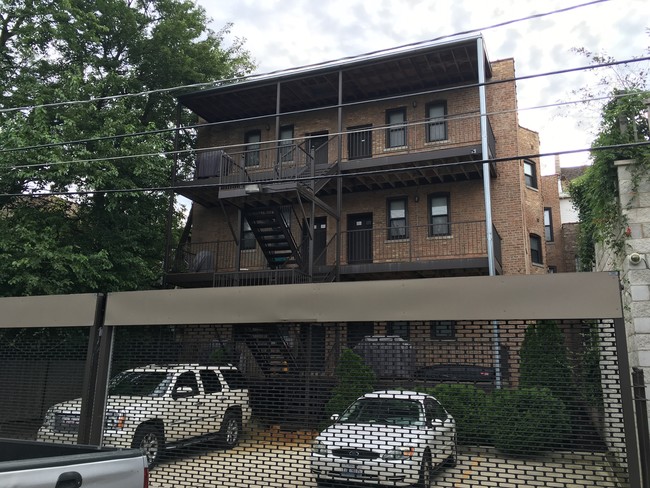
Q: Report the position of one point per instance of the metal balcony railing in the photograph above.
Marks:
(377, 245)
(293, 158)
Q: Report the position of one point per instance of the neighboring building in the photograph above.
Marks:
(370, 168)
(634, 266)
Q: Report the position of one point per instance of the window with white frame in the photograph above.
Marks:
(437, 124)
(396, 132)
(548, 224)
(530, 174)
(439, 224)
(397, 218)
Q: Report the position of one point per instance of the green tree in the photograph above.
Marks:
(355, 378)
(545, 361)
(595, 194)
(94, 236)
(622, 122)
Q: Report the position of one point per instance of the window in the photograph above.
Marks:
(548, 225)
(439, 215)
(536, 249)
(433, 410)
(396, 132)
(357, 331)
(186, 380)
(360, 142)
(252, 154)
(399, 329)
(437, 126)
(247, 236)
(397, 218)
(286, 143)
(210, 380)
(443, 329)
(530, 174)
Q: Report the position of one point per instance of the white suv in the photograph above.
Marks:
(162, 406)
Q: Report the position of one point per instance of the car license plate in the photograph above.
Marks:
(351, 471)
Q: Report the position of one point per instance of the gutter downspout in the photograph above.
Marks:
(489, 235)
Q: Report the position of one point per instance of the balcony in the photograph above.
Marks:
(451, 249)
(422, 152)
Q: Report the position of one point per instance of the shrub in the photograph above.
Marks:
(527, 421)
(354, 379)
(468, 405)
(545, 361)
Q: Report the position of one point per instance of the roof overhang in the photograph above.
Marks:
(425, 66)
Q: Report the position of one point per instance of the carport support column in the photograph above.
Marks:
(627, 402)
(97, 370)
(489, 235)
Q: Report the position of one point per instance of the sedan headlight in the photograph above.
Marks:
(319, 448)
(400, 454)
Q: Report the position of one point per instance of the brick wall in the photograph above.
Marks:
(517, 210)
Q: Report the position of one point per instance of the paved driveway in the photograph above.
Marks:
(283, 461)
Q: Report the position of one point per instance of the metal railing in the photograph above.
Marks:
(292, 158)
(377, 245)
(416, 243)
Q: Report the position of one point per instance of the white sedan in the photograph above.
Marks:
(392, 438)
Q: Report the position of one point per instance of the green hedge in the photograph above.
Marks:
(526, 421)
(468, 405)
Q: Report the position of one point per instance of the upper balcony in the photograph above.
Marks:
(429, 151)
(350, 117)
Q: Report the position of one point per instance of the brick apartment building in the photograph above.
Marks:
(371, 168)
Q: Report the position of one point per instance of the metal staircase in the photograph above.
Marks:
(270, 350)
(274, 236)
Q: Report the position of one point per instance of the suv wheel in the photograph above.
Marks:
(150, 441)
(230, 430)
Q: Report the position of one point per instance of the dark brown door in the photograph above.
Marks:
(320, 241)
(360, 238)
(318, 143)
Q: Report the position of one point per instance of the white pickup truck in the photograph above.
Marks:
(29, 464)
(159, 407)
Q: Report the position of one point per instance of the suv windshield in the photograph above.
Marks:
(390, 411)
(139, 383)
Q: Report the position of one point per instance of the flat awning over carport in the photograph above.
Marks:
(529, 297)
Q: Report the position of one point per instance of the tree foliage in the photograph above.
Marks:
(355, 378)
(595, 193)
(94, 236)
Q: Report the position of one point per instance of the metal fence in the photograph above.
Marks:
(251, 404)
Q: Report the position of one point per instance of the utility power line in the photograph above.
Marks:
(212, 124)
(303, 67)
(373, 172)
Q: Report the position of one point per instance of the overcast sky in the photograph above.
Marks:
(291, 33)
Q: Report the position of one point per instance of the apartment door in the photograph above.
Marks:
(320, 240)
(318, 144)
(360, 238)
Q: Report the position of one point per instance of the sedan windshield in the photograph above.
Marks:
(389, 411)
(139, 383)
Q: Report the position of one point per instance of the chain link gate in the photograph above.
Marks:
(556, 420)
